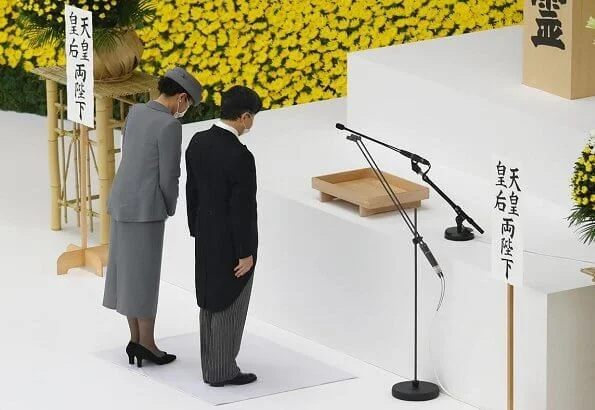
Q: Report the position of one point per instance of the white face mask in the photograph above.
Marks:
(178, 114)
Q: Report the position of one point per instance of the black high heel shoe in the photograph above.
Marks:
(130, 351)
(142, 353)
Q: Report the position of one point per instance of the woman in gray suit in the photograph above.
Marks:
(144, 194)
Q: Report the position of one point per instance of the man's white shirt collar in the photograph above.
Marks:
(227, 127)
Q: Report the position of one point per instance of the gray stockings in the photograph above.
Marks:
(221, 337)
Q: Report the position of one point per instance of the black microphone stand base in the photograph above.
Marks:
(460, 232)
(415, 391)
(454, 234)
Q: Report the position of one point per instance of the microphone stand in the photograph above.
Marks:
(455, 233)
(414, 390)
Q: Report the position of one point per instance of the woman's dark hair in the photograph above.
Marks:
(239, 100)
(170, 88)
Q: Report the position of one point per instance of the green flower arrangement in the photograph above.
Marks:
(583, 193)
(42, 21)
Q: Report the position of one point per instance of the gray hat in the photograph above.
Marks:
(188, 83)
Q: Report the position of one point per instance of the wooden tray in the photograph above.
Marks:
(362, 188)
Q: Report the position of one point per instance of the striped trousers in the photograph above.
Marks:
(221, 337)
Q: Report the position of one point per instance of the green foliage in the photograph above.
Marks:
(25, 92)
(201, 113)
(45, 27)
(21, 91)
(583, 218)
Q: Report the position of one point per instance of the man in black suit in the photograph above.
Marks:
(221, 202)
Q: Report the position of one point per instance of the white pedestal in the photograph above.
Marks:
(331, 277)
(459, 99)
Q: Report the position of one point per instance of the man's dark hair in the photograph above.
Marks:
(239, 100)
(170, 88)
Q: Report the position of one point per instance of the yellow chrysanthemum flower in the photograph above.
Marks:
(291, 51)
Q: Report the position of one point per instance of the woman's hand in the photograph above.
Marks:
(243, 267)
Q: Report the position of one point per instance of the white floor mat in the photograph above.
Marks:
(278, 369)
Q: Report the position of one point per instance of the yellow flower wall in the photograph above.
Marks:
(288, 51)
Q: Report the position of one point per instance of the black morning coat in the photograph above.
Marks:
(222, 216)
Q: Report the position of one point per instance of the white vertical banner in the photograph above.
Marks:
(507, 222)
(79, 65)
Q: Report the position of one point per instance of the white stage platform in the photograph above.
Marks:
(346, 281)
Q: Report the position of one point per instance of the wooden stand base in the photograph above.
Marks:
(367, 212)
(94, 258)
(75, 256)
(590, 272)
(363, 211)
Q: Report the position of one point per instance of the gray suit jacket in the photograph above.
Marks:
(146, 185)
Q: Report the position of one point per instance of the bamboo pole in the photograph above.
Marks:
(117, 124)
(67, 170)
(52, 96)
(88, 182)
(84, 142)
(92, 151)
(122, 112)
(77, 171)
(129, 101)
(109, 133)
(510, 347)
(64, 171)
(71, 203)
(103, 108)
(83, 256)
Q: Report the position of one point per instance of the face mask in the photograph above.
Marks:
(178, 114)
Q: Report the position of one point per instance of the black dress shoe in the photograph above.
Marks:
(240, 380)
(142, 353)
(130, 351)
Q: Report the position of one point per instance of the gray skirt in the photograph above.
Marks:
(134, 268)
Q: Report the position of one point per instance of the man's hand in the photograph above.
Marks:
(243, 267)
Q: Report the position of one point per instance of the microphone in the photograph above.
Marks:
(407, 154)
(428, 253)
(414, 157)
